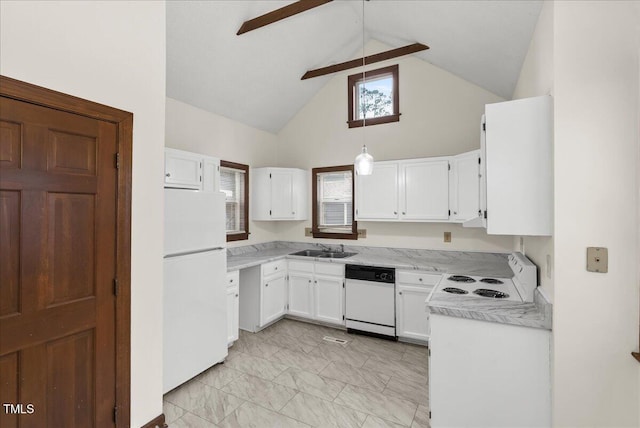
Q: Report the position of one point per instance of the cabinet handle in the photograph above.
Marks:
(399, 292)
(403, 213)
(293, 212)
(455, 212)
(236, 294)
(315, 282)
(395, 212)
(266, 285)
(276, 267)
(420, 279)
(168, 174)
(309, 281)
(231, 280)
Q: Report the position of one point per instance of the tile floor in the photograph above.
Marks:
(288, 376)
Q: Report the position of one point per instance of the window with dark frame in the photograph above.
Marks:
(374, 97)
(332, 195)
(234, 183)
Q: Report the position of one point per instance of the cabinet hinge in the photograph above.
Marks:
(449, 213)
(449, 167)
(218, 168)
(200, 165)
(269, 175)
(343, 318)
(479, 161)
(200, 179)
(269, 212)
(356, 211)
(484, 126)
(115, 414)
(485, 214)
(116, 160)
(342, 284)
(429, 414)
(115, 287)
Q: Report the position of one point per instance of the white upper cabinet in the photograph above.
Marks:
(187, 170)
(182, 169)
(279, 194)
(377, 194)
(406, 190)
(424, 189)
(519, 175)
(464, 186)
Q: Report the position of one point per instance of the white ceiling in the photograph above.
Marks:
(255, 78)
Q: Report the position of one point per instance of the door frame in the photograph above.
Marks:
(123, 120)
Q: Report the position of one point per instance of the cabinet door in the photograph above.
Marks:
(182, 170)
(377, 194)
(329, 294)
(301, 294)
(211, 175)
(465, 186)
(425, 194)
(282, 198)
(412, 318)
(519, 167)
(273, 298)
(233, 311)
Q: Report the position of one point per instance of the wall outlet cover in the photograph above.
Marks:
(597, 259)
(447, 237)
(362, 233)
(307, 231)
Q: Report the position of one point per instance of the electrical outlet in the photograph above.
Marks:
(447, 237)
(307, 231)
(597, 259)
(362, 233)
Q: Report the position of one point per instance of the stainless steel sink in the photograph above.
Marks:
(323, 254)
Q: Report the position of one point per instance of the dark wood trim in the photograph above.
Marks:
(371, 59)
(355, 79)
(314, 203)
(280, 14)
(157, 422)
(636, 355)
(18, 90)
(240, 166)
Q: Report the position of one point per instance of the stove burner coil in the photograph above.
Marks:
(491, 281)
(493, 294)
(454, 290)
(461, 278)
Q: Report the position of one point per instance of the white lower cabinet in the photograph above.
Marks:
(264, 295)
(477, 366)
(412, 289)
(233, 306)
(316, 291)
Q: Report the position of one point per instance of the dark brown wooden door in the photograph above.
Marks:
(58, 184)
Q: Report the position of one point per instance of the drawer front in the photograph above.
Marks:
(300, 266)
(272, 268)
(233, 278)
(417, 277)
(333, 269)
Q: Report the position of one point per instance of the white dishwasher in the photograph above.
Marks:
(370, 305)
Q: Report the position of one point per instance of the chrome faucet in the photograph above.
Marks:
(324, 247)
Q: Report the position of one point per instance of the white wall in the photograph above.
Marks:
(190, 128)
(536, 78)
(440, 115)
(596, 204)
(112, 53)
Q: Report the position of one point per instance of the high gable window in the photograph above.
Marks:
(333, 203)
(234, 183)
(374, 98)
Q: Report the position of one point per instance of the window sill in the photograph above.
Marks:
(636, 355)
(352, 236)
(237, 237)
(374, 121)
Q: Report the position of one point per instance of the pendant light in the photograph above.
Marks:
(364, 161)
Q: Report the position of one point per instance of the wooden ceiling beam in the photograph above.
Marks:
(382, 56)
(280, 14)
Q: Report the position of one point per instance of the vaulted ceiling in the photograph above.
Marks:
(254, 78)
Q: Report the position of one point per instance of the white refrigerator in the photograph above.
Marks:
(194, 303)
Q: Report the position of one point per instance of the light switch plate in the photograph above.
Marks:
(597, 259)
(362, 233)
(307, 231)
(447, 237)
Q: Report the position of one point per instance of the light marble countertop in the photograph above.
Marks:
(536, 314)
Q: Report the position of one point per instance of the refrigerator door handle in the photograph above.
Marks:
(186, 253)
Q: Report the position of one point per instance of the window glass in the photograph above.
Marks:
(234, 183)
(333, 204)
